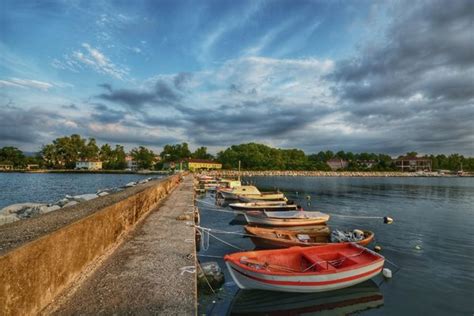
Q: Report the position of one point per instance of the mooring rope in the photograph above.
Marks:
(206, 233)
(217, 209)
(358, 216)
(205, 277)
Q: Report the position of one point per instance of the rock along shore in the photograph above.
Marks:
(294, 173)
(15, 212)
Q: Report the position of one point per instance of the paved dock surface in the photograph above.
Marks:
(143, 277)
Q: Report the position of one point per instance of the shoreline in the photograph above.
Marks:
(86, 171)
(294, 173)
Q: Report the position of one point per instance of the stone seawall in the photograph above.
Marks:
(38, 267)
(291, 173)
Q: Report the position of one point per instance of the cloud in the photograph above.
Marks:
(416, 85)
(71, 106)
(424, 51)
(26, 83)
(91, 58)
(253, 97)
(25, 126)
(162, 93)
(106, 115)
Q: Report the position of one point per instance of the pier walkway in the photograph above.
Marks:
(143, 276)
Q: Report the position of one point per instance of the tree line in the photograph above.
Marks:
(63, 153)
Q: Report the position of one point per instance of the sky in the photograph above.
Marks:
(361, 76)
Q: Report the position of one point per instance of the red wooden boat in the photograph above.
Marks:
(304, 269)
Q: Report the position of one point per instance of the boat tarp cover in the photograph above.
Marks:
(342, 236)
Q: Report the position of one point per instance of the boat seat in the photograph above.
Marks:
(318, 262)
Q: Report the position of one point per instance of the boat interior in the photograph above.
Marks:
(309, 260)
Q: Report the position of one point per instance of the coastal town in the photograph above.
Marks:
(75, 153)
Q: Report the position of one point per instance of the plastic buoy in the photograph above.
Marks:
(387, 220)
(308, 197)
(417, 247)
(378, 248)
(387, 273)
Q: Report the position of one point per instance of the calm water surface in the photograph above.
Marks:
(436, 214)
(50, 187)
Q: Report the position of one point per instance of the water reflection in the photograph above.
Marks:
(354, 299)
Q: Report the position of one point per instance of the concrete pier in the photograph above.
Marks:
(143, 276)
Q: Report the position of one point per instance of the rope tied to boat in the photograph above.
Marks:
(206, 233)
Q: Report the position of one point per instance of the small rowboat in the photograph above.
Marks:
(304, 269)
(269, 238)
(287, 218)
(264, 196)
(264, 206)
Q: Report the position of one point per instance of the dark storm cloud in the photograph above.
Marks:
(417, 87)
(265, 118)
(106, 115)
(106, 86)
(161, 94)
(175, 121)
(144, 139)
(24, 126)
(71, 106)
(181, 79)
(434, 39)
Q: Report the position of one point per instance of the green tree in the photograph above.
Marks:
(13, 156)
(175, 152)
(106, 156)
(90, 151)
(119, 161)
(144, 157)
(201, 153)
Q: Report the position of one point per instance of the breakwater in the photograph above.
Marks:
(294, 173)
(41, 257)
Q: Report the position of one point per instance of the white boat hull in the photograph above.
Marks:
(302, 283)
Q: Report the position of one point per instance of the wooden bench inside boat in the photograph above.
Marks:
(317, 263)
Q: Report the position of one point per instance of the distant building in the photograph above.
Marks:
(32, 166)
(193, 165)
(200, 164)
(88, 165)
(6, 167)
(413, 164)
(367, 163)
(131, 164)
(169, 165)
(337, 163)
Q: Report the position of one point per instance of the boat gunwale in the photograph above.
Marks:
(230, 257)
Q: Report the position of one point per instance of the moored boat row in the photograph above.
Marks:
(305, 254)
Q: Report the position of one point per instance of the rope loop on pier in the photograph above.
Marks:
(188, 269)
(206, 233)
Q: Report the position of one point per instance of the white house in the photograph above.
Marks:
(89, 165)
(131, 164)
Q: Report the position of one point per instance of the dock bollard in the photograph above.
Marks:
(387, 220)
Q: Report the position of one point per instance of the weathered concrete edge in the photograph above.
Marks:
(34, 273)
